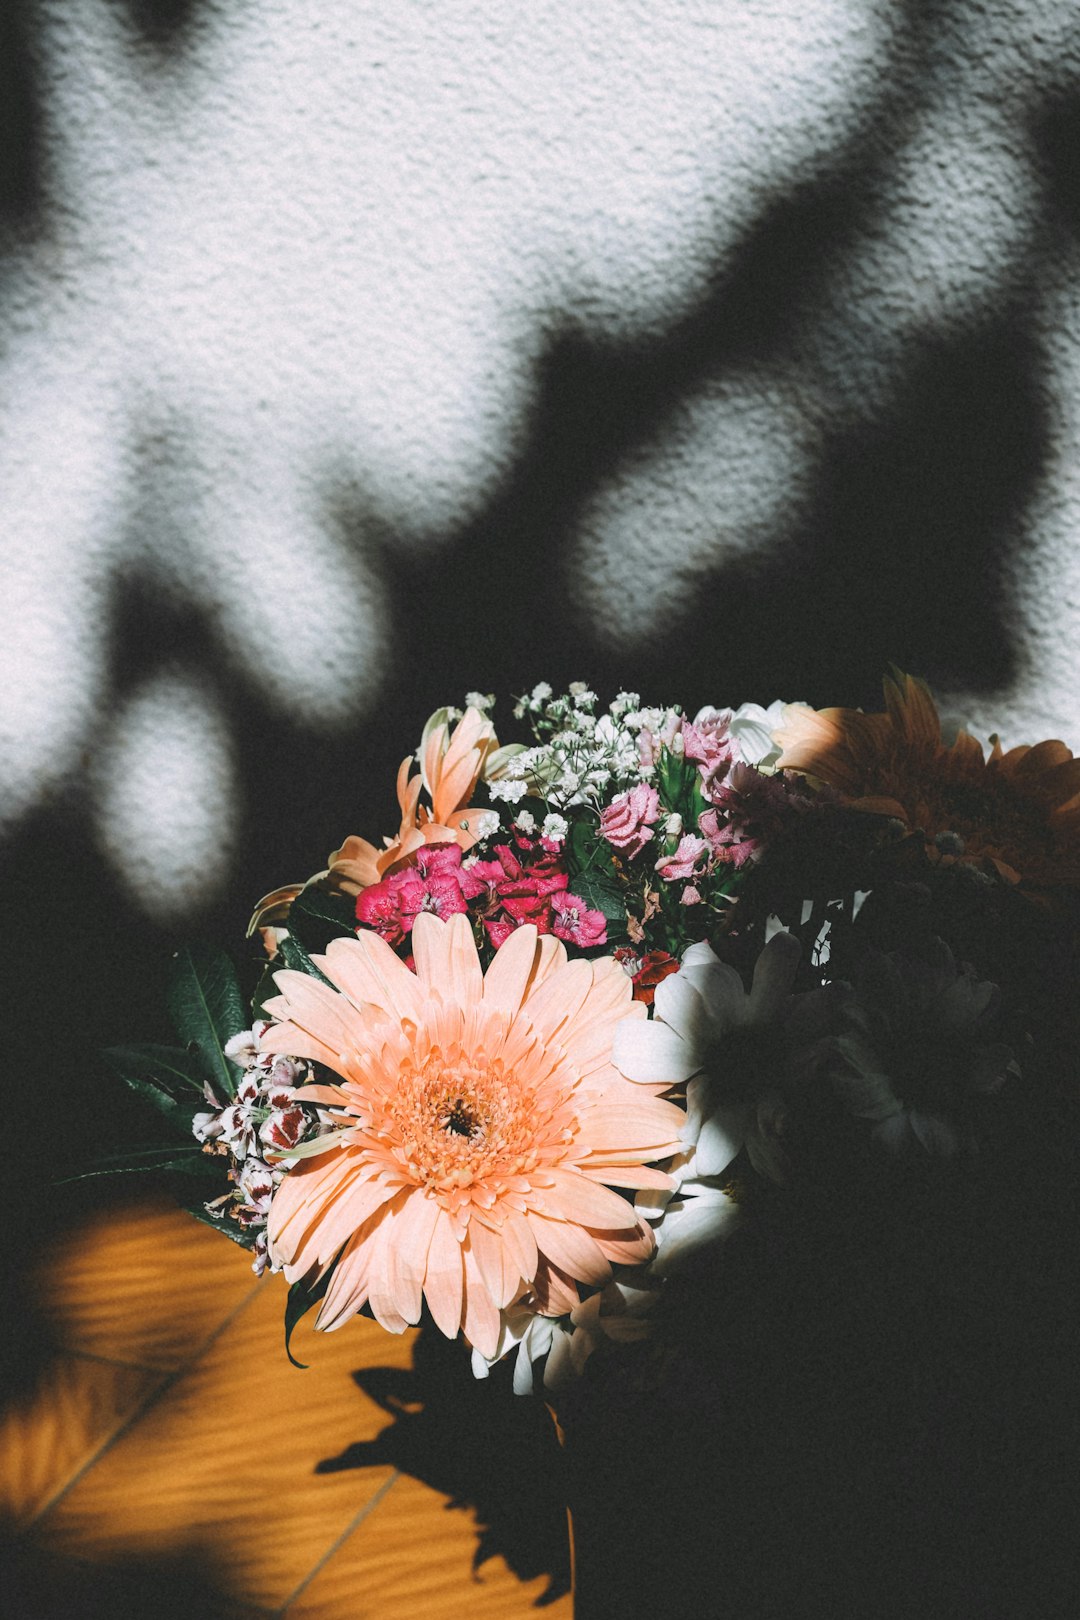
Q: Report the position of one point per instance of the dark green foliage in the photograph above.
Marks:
(207, 1009)
(243, 1235)
(168, 1077)
(317, 916)
(302, 1299)
(293, 955)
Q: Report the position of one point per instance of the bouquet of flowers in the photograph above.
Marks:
(611, 992)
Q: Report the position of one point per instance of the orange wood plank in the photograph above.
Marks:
(194, 1444)
(77, 1406)
(411, 1558)
(225, 1460)
(146, 1286)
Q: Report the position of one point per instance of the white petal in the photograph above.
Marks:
(722, 994)
(678, 1004)
(652, 1052)
(721, 1137)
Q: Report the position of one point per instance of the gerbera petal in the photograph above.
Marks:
(569, 1247)
(412, 1223)
(507, 980)
(555, 1292)
(444, 1277)
(627, 1248)
(647, 1128)
(347, 1290)
(557, 1001)
(520, 1244)
(367, 970)
(480, 1318)
(491, 1256)
(317, 1008)
(629, 1175)
(340, 1217)
(289, 1038)
(392, 1306)
(446, 961)
(574, 1198)
(913, 711)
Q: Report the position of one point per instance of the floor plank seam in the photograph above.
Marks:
(158, 1367)
(168, 1380)
(350, 1528)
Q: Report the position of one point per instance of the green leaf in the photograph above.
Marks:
(264, 990)
(600, 893)
(243, 1235)
(156, 1160)
(301, 1300)
(293, 955)
(207, 1008)
(677, 779)
(317, 916)
(581, 839)
(163, 1076)
(171, 1068)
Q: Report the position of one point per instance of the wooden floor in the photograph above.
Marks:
(168, 1432)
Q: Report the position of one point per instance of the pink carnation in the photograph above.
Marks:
(684, 862)
(650, 742)
(518, 887)
(729, 843)
(707, 743)
(627, 822)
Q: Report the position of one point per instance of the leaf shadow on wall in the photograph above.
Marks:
(20, 121)
(163, 24)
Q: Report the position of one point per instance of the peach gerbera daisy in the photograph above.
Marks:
(481, 1129)
(451, 764)
(1017, 810)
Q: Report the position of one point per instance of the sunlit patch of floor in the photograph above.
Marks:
(169, 1427)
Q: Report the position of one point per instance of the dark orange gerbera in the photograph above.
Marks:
(1018, 810)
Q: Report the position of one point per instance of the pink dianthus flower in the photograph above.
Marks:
(572, 920)
(627, 822)
(434, 884)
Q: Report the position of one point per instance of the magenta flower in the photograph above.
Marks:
(573, 921)
(627, 822)
(434, 884)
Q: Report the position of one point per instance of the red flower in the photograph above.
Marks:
(520, 886)
(655, 966)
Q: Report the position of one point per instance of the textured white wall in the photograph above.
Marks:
(299, 247)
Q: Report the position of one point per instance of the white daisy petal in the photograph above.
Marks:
(652, 1052)
(722, 1136)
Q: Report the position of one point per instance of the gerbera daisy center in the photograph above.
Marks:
(461, 1119)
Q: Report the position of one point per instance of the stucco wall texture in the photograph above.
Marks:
(263, 264)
